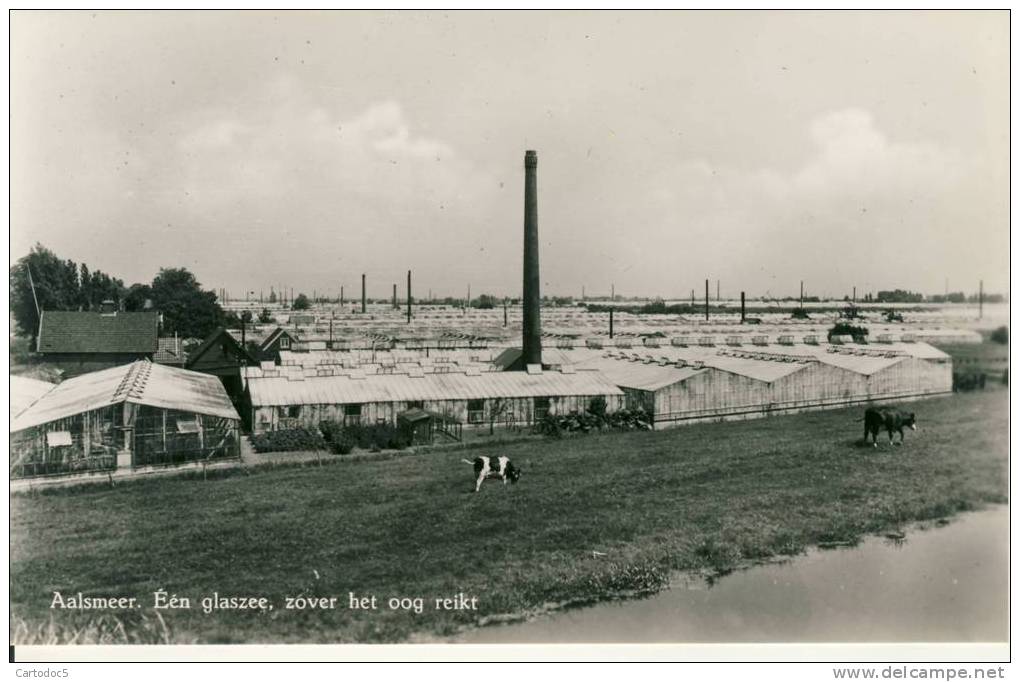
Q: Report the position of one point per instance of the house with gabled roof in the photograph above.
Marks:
(221, 355)
(84, 341)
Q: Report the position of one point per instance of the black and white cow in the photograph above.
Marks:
(493, 467)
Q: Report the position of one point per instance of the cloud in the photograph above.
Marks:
(860, 207)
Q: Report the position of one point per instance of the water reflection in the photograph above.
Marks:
(946, 583)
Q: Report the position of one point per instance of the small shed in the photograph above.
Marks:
(278, 340)
(422, 425)
(221, 355)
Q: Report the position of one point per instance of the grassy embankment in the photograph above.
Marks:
(706, 496)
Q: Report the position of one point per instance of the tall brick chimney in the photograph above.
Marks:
(532, 324)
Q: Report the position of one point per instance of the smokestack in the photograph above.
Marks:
(802, 293)
(610, 323)
(706, 300)
(532, 323)
(409, 297)
(395, 295)
(504, 312)
(341, 295)
(363, 306)
(717, 296)
(853, 299)
(981, 298)
(742, 309)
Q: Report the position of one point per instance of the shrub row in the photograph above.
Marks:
(342, 439)
(585, 422)
(288, 440)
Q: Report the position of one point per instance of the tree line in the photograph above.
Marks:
(187, 309)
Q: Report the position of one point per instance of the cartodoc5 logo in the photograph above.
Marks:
(45, 672)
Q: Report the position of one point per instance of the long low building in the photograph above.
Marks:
(699, 383)
(285, 397)
(136, 415)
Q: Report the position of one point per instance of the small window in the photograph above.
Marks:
(285, 342)
(187, 426)
(416, 404)
(290, 411)
(56, 439)
(541, 408)
(352, 414)
(476, 411)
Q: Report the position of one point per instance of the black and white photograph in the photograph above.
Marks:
(456, 328)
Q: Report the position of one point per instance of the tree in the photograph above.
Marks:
(85, 288)
(484, 302)
(56, 287)
(137, 296)
(301, 303)
(187, 310)
(497, 408)
(246, 316)
(265, 317)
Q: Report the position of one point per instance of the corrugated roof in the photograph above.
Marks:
(382, 388)
(141, 383)
(25, 391)
(62, 331)
(639, 375)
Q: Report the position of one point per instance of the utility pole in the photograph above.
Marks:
(31, 283)
(409, 299)
(802, 293)
(504, 312)
(742, 308)
(363, 302)
(717, 295)
(610, 323)
(981, 298)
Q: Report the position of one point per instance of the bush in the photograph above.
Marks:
(1000, 335)
(556, 426)
(860, 334)
(288, 440)
(342, 439)
(341, 444)
(969, 381)
(598, 406)
(892, 316)
(800, 314)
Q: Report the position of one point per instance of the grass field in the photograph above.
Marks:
(705, 496)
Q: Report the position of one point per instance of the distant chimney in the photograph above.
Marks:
(532, 322)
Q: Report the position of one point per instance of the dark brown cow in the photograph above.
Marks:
(892, 420)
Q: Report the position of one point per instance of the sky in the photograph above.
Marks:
(260, 149)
